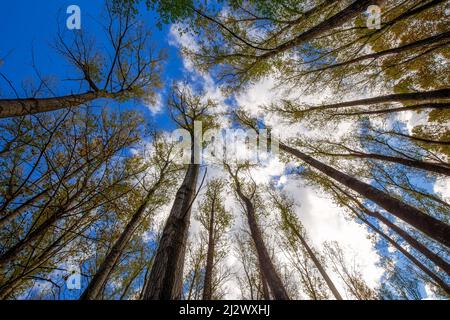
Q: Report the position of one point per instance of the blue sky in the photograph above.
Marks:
(30, 27)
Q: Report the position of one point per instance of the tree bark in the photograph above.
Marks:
(101, 276)
(27, 106)
(396, 97)
(317, 263)
(409, 256)
(166, 276)
(427, 166)
(265, 262)
(268, 269)
(207, 284)
(430, 226)
(265, 287)
(337, 20)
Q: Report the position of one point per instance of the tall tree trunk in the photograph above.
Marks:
(265, 287)
(409, 256)
(430, 226)
(413, 242)
(396, 97)
(207, 284)
(268, 269)
(26, 106)
(427, 166)
(441, 37)
(101, 276)
(344, 16)
(165, 280)
(265, 262)
(441, 263)
(317, 263)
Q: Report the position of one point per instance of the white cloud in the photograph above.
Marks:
(324, 221)
(155, 104)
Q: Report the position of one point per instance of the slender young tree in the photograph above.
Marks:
(291, 225)
(215, 220)
(349, 273)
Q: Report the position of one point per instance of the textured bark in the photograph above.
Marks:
(207, 284)
(166, 276)
(430, 226)
(441, 283)
(101, 276)
(442, 37)
(26, 106)
(396, 97)
(266, 265)
(265, 287)
(317, 263)
(337, 20)
(268, 269)
(441, 263)
(427, 166)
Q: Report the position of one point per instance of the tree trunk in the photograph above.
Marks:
(101, 276)
(268, 269)
(427, 166)
(441, 263)
(166, 276)
(207, 285)
(265, 288)
(396, 97)
(430, 226)
(409, 256)
(27, 106)
(441, 37)
(337, 20)
(317, 263)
